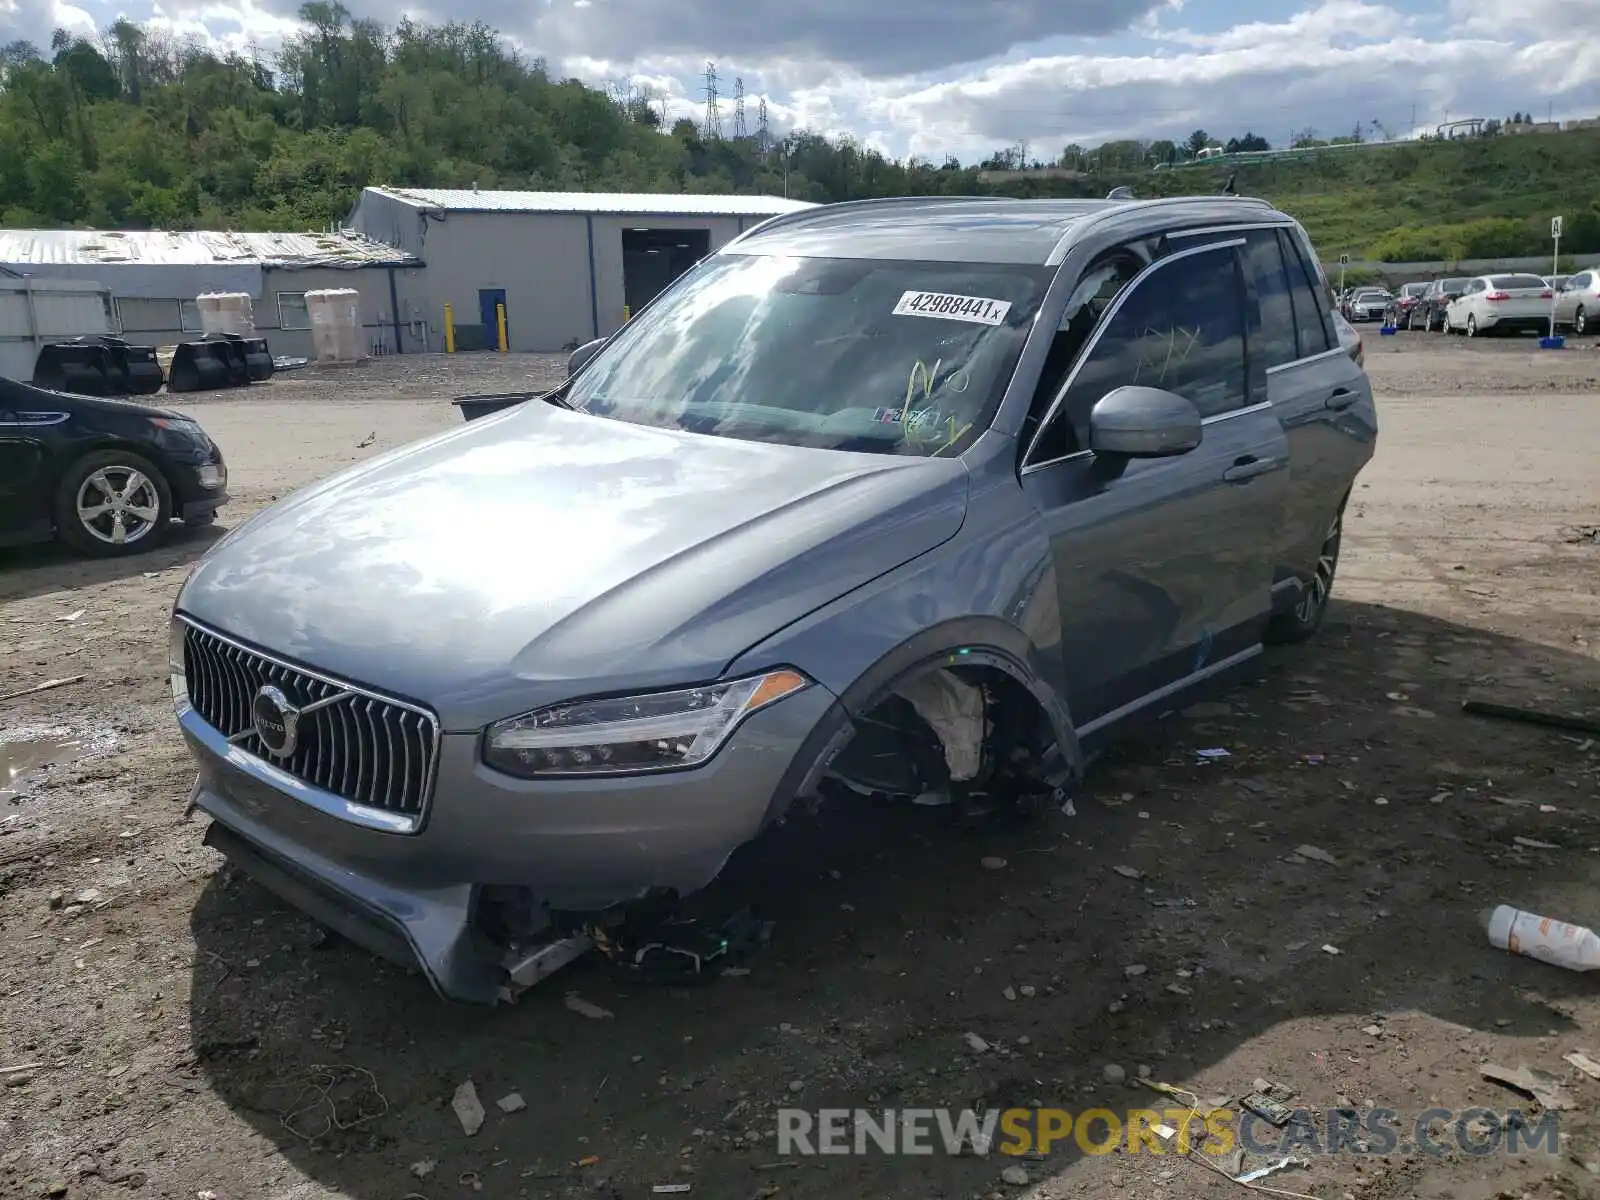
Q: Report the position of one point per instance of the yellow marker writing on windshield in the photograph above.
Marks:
(919, 369)
(955, 436)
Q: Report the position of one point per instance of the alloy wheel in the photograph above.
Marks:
(118, 505)
(1580, 321)
(1321, 585)
(1472, 326)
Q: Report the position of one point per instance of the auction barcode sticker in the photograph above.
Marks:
(978, 310)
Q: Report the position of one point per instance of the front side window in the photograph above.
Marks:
(889, 357)
(1181, 329)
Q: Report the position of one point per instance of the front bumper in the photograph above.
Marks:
(576, 845)
(199, 488)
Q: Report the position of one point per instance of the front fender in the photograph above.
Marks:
(987, 597)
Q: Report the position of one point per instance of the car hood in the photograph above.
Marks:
(539, 554)
(26, 396)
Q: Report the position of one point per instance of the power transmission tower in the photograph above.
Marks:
(763, 130)
(713, 127)
(739, 130)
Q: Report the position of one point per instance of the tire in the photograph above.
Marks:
(1305, 618)
(90, 483)
(1580, 322)
(1472, 325)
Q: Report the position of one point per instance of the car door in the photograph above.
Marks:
(1310, 382)
(1163, 566)
(24, 491)
(1570, 297)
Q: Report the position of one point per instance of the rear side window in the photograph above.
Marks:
(1274, 342)
(1313, 319)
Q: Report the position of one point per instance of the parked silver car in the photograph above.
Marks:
(1578, 302)
(921, 498)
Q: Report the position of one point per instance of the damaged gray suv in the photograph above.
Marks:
(916, 498)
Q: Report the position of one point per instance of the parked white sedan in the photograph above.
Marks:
(1496, 303)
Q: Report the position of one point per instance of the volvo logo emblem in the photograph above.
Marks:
(277, 722)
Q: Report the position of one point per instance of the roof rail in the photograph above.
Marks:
(871, 202)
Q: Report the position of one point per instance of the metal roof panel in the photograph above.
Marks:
(659, 204)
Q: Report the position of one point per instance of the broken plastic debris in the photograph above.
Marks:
(1574, 947)
(671, 1189)
(583, 1008)
(1213, 752)
(423, 1168)
(1128, 872)
(1276, 1165)
(511, 1103)
(1267, 1108)
(1316, 854)
(588, 1160)
(1584, 1063)
(975, 1043)
(1330, 948)
(1528, 843)
(1542, 1086)
(467, 1108)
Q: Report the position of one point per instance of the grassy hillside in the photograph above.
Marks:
(1474, 198)
(138, 130)
(1413, 201)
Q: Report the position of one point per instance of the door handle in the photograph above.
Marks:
(1340, 398)
(1248, 467)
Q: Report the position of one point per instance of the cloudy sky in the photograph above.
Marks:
(927, 78)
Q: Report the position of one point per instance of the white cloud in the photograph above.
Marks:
(914, 77)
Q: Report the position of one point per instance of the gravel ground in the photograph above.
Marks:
(168, 1027)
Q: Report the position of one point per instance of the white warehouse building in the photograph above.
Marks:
(151, 278)
(566, 266)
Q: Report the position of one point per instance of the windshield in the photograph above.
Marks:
(847, 354)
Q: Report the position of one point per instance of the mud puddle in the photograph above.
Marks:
(28, 752)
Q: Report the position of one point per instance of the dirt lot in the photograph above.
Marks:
(168, 1027)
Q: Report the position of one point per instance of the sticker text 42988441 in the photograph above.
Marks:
(946, 306)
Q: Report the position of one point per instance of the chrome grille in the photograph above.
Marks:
(370, 751)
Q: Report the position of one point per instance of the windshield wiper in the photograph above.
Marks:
(558, 397)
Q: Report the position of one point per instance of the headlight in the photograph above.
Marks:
(177, 671)
(654, 732)
(213, 476)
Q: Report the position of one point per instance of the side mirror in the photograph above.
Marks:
(582, 355)
(1144, 422)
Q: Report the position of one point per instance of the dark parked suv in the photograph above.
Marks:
(920, 499)
(1427, 314)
